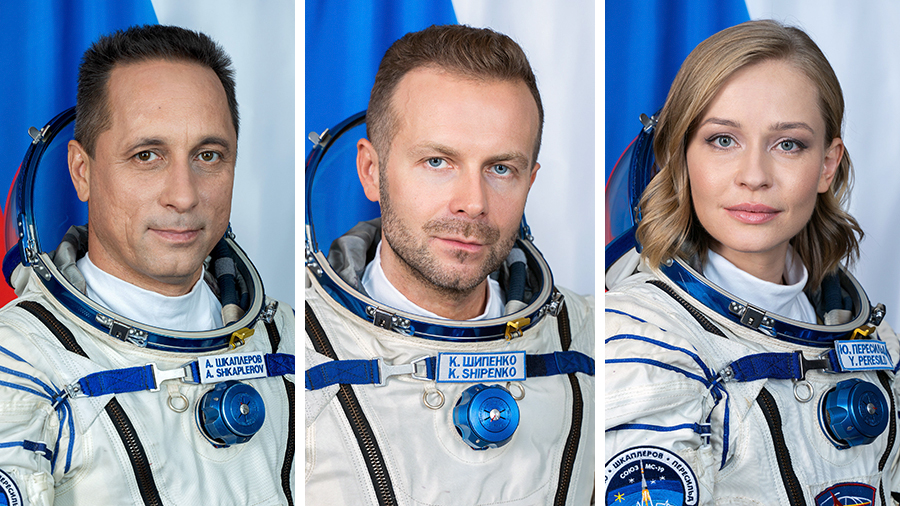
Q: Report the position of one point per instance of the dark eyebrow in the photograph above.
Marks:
(218, 141)
(146, 142)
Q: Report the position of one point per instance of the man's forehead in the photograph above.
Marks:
(154, 98)
(428, 98)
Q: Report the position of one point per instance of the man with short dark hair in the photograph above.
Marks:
(486, 367)
(142, 362)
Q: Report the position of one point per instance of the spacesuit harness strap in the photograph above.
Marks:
(846, 356)
(214, 369)
(451, 367)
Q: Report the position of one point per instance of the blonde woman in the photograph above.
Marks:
(744, 364)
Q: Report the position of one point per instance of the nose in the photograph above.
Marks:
(755, 170)
(180, 192)
(469, 194)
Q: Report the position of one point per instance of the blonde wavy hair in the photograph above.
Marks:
(669, 225)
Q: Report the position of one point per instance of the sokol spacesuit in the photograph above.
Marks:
(712, 400)
(758, 436)
(96, 408)
(366, 443)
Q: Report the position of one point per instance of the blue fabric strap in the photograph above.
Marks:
(136, 379)
(560, 362)
(39, 448)
(767, 365)
(781, 366)
(345, 372)
(116, 381)
(279, 364)
(364, 372)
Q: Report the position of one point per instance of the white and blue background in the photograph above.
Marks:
(646, 41)
(41, 43)
(346, 40)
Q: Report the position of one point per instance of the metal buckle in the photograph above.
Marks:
(387, 370)
(164, 375)
(822, 363)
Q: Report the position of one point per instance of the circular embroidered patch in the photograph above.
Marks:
(9, 492)
(846, 494)
(648, 475)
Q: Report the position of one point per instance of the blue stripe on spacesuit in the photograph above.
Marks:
(696, 427)
(714, 387)
(616, 311)
(661, 365)
(11, 354)
(667, 346)
(63, 408)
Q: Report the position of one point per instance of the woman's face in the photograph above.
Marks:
(756, 163)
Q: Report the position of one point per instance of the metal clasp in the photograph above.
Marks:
(239, 337)
(863, 332)
(164, 375)
(514, 328)
(413, 369)
(753, 317)
(822, 363)
(389, 321)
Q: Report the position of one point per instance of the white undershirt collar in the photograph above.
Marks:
(377, 285)
(786, 300)
(196, 310)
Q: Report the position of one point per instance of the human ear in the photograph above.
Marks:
(833, 156)
(80, 170)
(533, 174)
(367, 168)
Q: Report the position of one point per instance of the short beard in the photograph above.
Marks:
(420, 262)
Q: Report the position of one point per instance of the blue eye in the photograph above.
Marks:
(500, 169)
(435, 163)
(724, 142)
(788, 145)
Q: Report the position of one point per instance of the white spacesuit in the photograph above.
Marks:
(98, 409)
(708, 401)
(398, 443)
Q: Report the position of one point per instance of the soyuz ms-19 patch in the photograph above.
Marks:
(9, 492)
(648, 475)
(846, 494)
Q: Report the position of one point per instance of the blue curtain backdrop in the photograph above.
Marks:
(41, 44)
(646, 41)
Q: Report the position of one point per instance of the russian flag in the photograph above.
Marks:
(40, 48)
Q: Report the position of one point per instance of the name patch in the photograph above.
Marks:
(467, 367)
(234, 366)
(863, 355)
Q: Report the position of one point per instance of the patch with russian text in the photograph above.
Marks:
(650, 475)
(863, 355)
(468, 367)
(9, 492)
(846, 494)
(232, 366)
